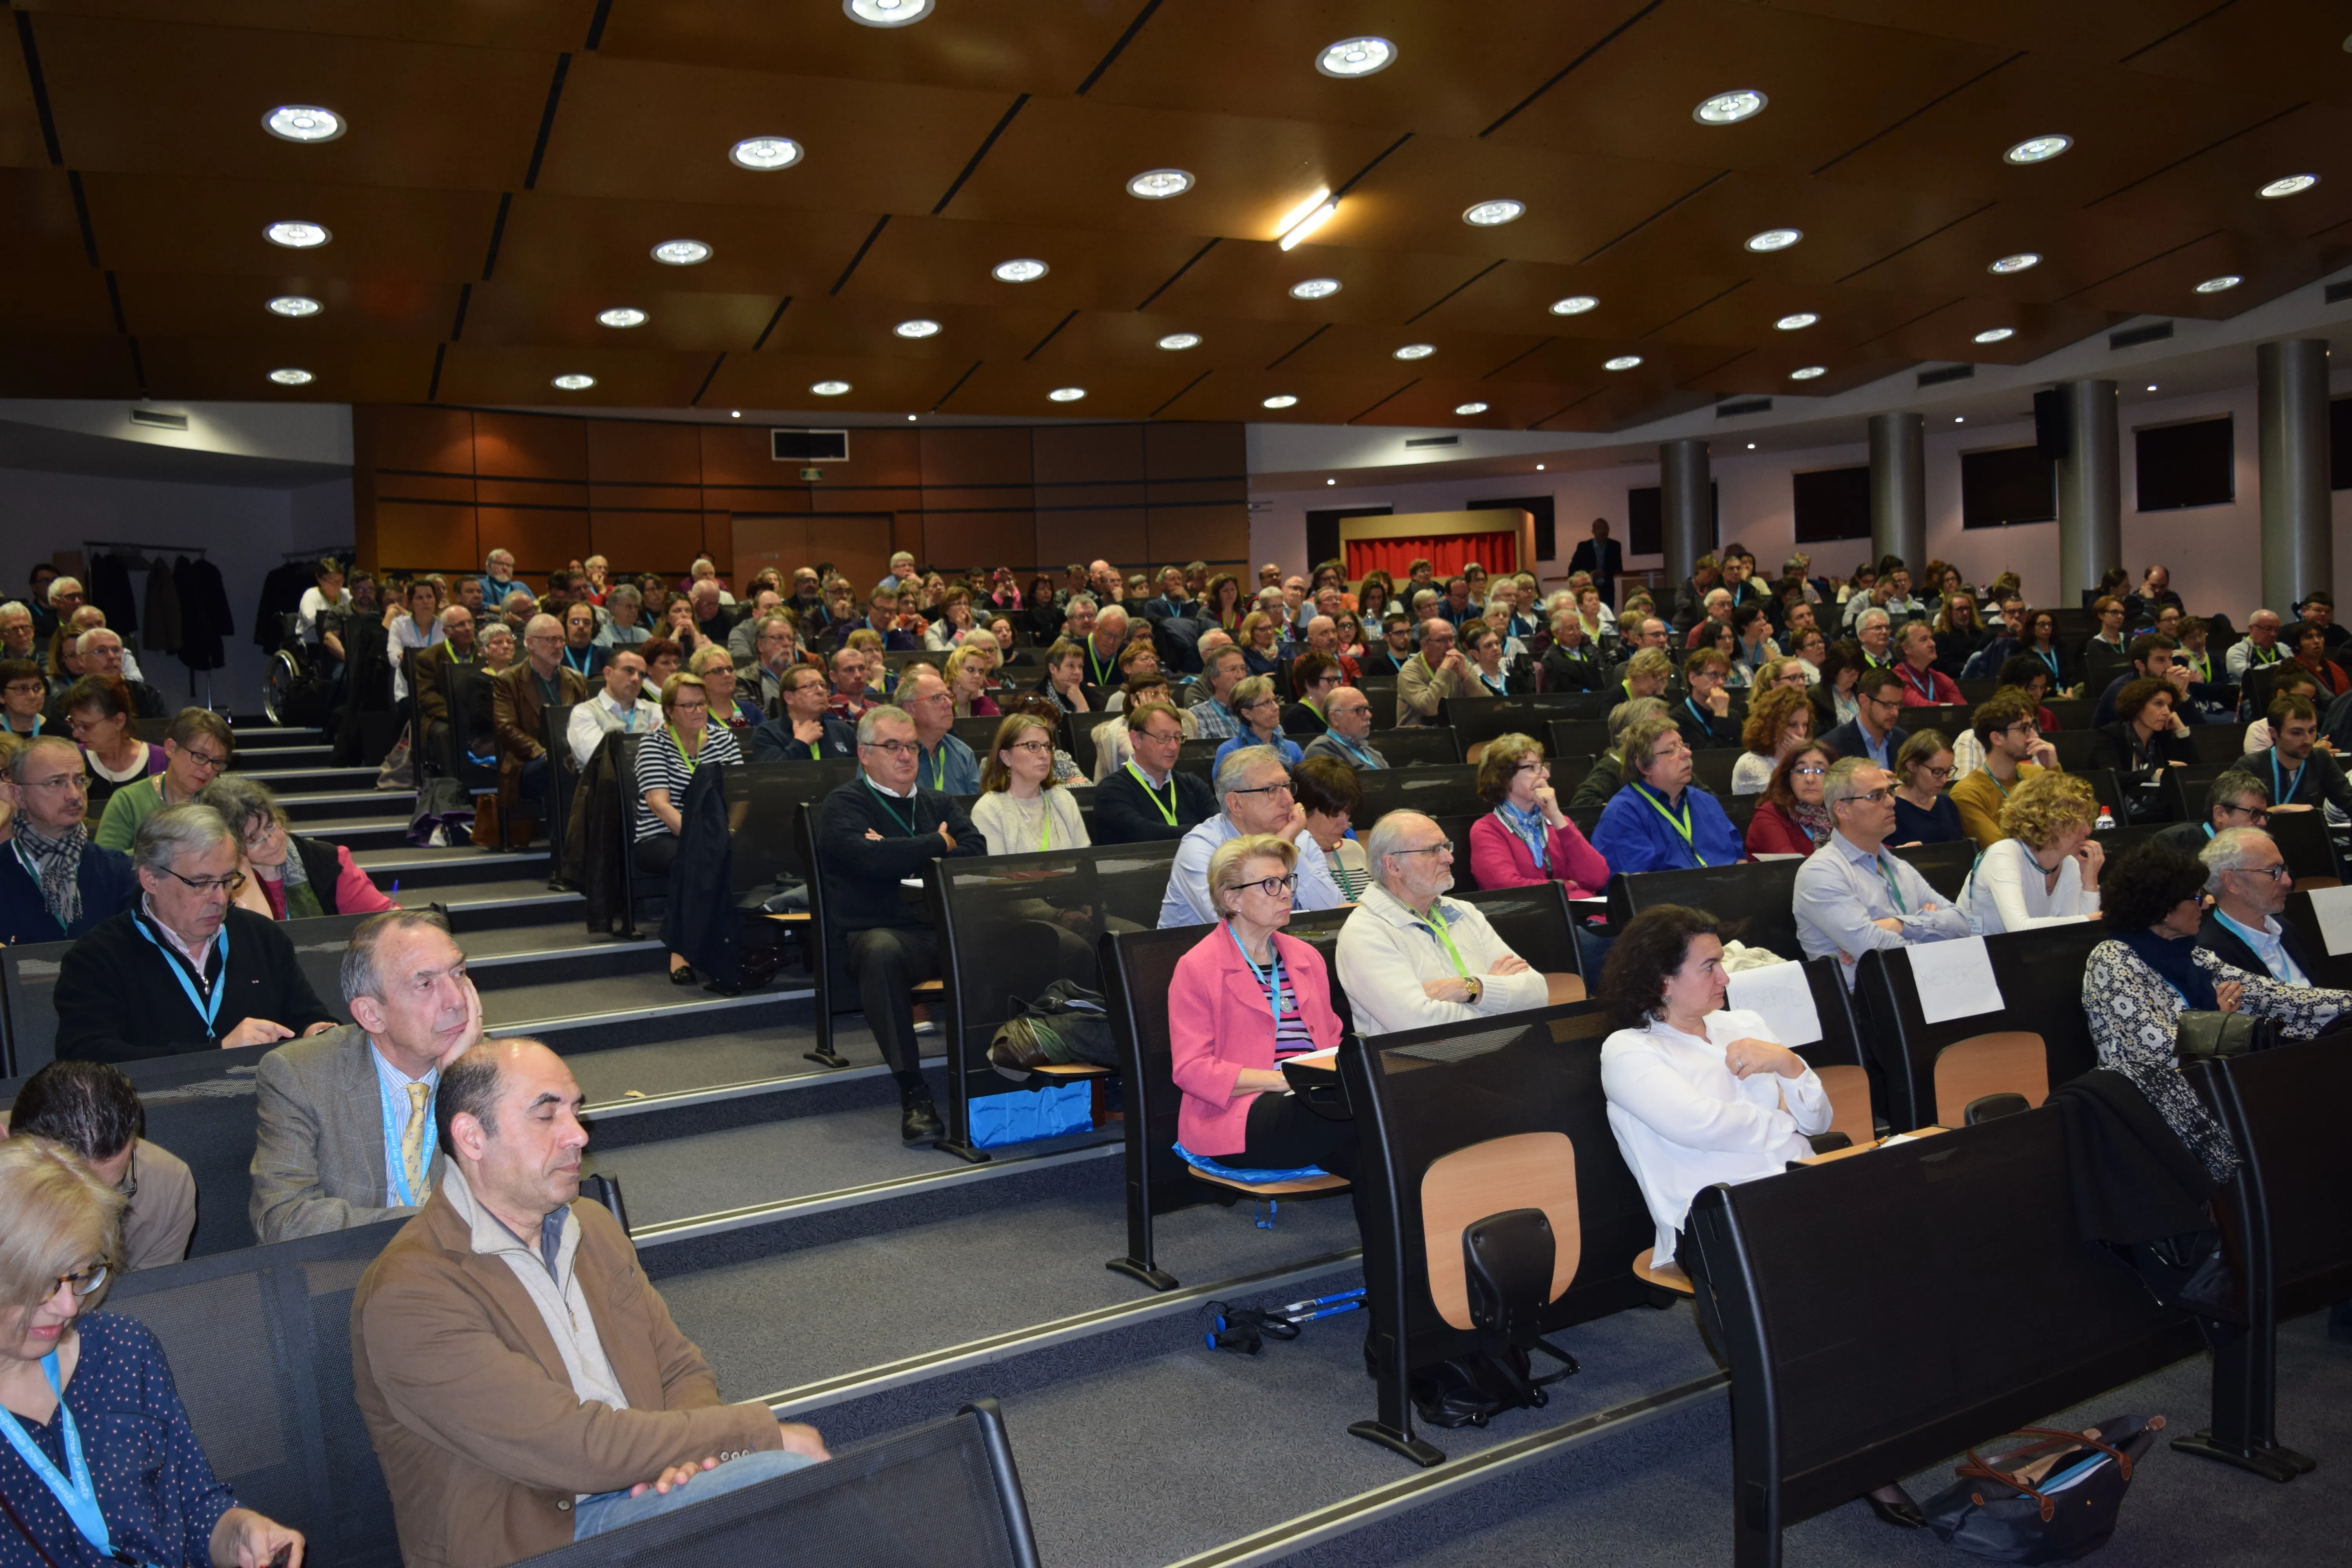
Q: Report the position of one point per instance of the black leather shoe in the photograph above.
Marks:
(1902, 1515)
(683, 975)
(919, 1119)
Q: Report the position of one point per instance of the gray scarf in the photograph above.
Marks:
(60, 861)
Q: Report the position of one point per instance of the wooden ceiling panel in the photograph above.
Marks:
(1371, 352)
(2219, 187)
(566, 241)
(1240, 395)
(1831, 85)
(1005, 46)
(64, 303)
(1617, 407)
(549, 25)
(1663, 366)
(1631, 300)
(2101, 30)
(877, 384)
(1130, 341)
(2077, 250)
(1751, 314)
(156, 99)
(1068, 160)
(149, 223)
(51, 365)
(1845, 229)
(21, 143)
(2166, 285)
(514, 312)
(1019, 390)
(819, 324)
(1951, 333)
(238, 369)
(497, 374)
(39, 226)
(1766, 372)
(205, 305)
(1458, 68)
(1431, 403)
(643, 131)
(1253, 278)
(929, 259)
(2292, 48)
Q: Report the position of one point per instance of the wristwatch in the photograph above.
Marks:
(1477, 988)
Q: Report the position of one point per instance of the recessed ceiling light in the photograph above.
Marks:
(295, 305)
(2016, 263)
(734, 414)
(1180, 340)
(1314, 288)
(2293, 186)
(1416, 350)
(1622, 362)
(1540, 468)
(291, 377)
(1159, 185)
(911, 419)
(1797, 322)
(1574, 305)
(1330, 481)
(1469, 408)
(1996, 334)
(2151, 386)
(576, 382)
(1751, 446)
(681, 253)
(303, 122)
(2216, 284)
(295, 234)
(2038, 149)
(1775, 239)
(761, 153)
(1809, 372)
(829, 388)
(1730, 108)
(1280, 400)
(1020, 270)
(887, 13)
(1067, 393)
(1959, 418)
(1489, 215)
(1356, 57)
(921, 327)
(622, 316)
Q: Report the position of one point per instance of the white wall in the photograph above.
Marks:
(2215, 553)
(243, 531)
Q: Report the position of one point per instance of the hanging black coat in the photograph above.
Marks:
(702, 921)
(163, 632)
(110, 589)
(206, 621)
(281, 596)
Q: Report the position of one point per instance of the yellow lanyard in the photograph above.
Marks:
(1682, 826)
(1167, 809)
(1445, 940)
(693, 759)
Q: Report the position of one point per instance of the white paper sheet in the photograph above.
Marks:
(1780, 994)
(2333, 908)
(1954, 980)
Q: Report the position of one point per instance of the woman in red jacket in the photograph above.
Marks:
(1793, 818)
(1527, 838)
(1243, 999)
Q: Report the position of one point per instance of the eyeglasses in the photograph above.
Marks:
(206, 760)
(1895, 702)
(1534, 765)
(2256, 815)
(228, 884)
(2276, 870)
(63, 780)
(27, 689)
(1272, 887)
(1033, 746)
(1808, 773)
(1941, 775)
(81, 1283)
(1442, 847)
(896, 748)
(1671, 749)
(1282, 788)
(1875, 797)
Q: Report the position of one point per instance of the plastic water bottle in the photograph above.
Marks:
(2106, 820)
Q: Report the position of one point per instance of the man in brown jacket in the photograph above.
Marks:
(425, 666)
(521, 696)
(520, 1375)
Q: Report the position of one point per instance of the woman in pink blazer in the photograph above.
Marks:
(1227, 1034)
(1515, 780)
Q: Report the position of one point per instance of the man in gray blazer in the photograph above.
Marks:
(346, 1134)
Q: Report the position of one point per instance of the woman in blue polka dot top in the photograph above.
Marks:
(99, 1465)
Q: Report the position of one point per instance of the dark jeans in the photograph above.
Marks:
(653, 855)
(1284, 1135)
(538, 779)
(887, 961)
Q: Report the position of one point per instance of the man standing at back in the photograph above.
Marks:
(871, 836)
(1852, 895)
(1601, 556)
(345, 1117)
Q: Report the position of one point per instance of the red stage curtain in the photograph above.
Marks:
(1496, 552)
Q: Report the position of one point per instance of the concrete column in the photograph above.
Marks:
(1898, 490)
(1686, 509)
(2090, 491)
(2298, 540)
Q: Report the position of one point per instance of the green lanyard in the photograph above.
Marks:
(890, 804)
(693, 759)
(939, 767)
(1683, 825)
(1445, 940)
(1167, 808)
(1893, 889)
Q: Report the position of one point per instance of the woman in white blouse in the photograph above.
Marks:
(2046, 869)
(1021, 808)
(1698, 1095)
(415, 631)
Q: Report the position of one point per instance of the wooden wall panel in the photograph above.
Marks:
(1218, 534)
(434, 440)
(431, 538)
(530, 445)
(879, 456)
(643, 451)
(984, 539)
(492, 489)
(1100, 452)
(419, 486)
(977, 456)
(1083, 534)
(1195, 451)
(543, 539)
(734, 455)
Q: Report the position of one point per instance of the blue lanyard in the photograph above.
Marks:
(2047, 657)
(583, 666)
(78, 1497)
(2282, 795)
(395, 1120)
(1270, 976)
(208, 1012)
(1705, 719)
(1361, 755)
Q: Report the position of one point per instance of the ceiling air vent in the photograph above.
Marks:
(156, 419)
(2130, 336)
(1949, 373)
(1743, 405)
(809, 446)
(2338, 292)
(1413, 441)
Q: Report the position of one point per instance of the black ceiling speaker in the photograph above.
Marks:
(2053, 436)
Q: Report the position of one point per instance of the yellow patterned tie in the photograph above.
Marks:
(412, 1142)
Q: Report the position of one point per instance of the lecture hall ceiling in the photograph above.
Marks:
(506, 170)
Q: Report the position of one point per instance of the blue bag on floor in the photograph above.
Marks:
(1026, 1115)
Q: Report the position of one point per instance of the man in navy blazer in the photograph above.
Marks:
(50, 832)
(1601, 556)
(1873, 733)
(2247, 877)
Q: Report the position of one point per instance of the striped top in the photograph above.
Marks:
(1291, 1036)
(660, 766)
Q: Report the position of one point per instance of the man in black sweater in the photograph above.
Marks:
(871, 833)
(184, 971)
(2296, 772)
(1148, 799)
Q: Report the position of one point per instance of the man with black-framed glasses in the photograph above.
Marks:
(184, 970)
(2010, 734)
(1254, 785)
(56, 884)
(1852, 895)
(2250, 883)
(1409, 957)
(2235, 798)
(1873, 731)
